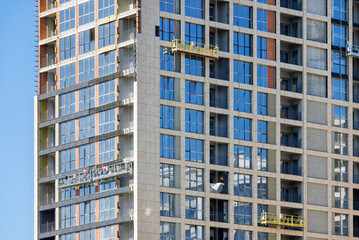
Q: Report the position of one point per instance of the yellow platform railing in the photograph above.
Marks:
(179, 45)
(282, 220)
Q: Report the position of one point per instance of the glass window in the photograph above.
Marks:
(68, 216)
(194, 207)
(167, 204)
(68, 132)
(194, 121)
(167, 117)
(106, 92)
(261, 208)
(167, 88)
(86, 189)
(262, 159)
(194, 65)
(340, 9)
(106, 34)
(86, 98)
(242, 157)
(108, 232)
(194, 8)
(167, 29)
(87, 155)
(242, 235)
(340, 170)
(242, 185)
(167, 148)
(242, 72)
(262, 135)
(86, 69)
(107, 121)
(242, 128)
(106, 185)
(339, 36)
(67, 47)
(265, 76)
(107, 63)
(262, 20)
(340, 197)
(340, 89)
(340, 62)
(242, 213)
(107, 208)
(107, 150)
(262, 103)
(341, 223)
(167, 59)
(340, 143)
(340, 116)
(194, 179)
(194, 33)
(67, 19)
(167, 175)
(69, 236)
(242, 16)
(68, 159)
(242, 44)
(194, 92)
(194, 150)
(64, 1)
(262, 187)
(86, 127)
(86, 12)
(106, 8)
(242, 100)
(68, 193)
(262, 47)
(87, 212)
(68, 75)
(88, 234)
(168, 6)
(194, 232)
(86, 41)
(167, 231)
(67, 103)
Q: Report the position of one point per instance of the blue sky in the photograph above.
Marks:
(16, 118)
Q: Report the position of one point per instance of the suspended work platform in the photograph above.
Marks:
(209, 51)
(94, 174)
(282, 220)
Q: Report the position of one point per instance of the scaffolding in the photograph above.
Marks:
(352, 50)
(282, 220)
(94, 174)
(209, 51)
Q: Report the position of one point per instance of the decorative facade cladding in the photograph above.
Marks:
(197, 119)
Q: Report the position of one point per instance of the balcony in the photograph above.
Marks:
(48, 61)
(290, 164)
(209, 51)
(219, 182)
(219, 210)
(291, 191)
(291, 4)
(47, 221)
(47, 199)
(219, 11)
(290, 108)
(127, 35)
(218, 96)
(218, 153)
(218, 125)
(290, 81)
(290, 26)
(219, 37)
(290, 53)
(47, 227)
(290, 136)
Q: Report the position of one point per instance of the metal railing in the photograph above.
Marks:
(219, 159)
(47, 227)
(47, 172)
(127, 35)
(46, 116)
(47, 199)
(126, 65)
(219, 217)
(48, 61)
(95, 173)
(282, 220)
(49, 143)
(179, 45)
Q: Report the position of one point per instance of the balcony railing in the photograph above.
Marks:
(209, 51)
(49, 143)
(282, 220)
(47, 227)
(46, 116)
(48, 61)
(294, 115)
(219, 217)
(47, 172)
(291, 198)
(47, 199)
(220, 159)
(127, 35)
(219, 132)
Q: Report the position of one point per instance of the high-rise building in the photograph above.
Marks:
(197, 119)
